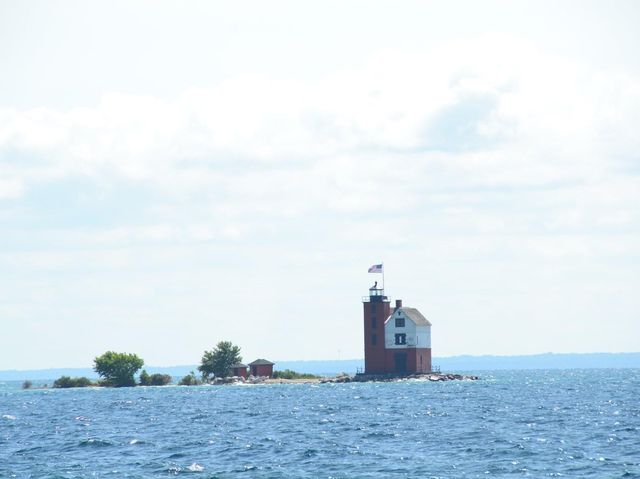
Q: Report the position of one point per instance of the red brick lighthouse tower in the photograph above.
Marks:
(376, 311)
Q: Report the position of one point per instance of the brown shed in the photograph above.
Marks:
(261, 367)
(239, 370)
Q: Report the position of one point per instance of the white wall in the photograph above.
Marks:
(417, 336)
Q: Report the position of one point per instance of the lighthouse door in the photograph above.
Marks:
(400, 362)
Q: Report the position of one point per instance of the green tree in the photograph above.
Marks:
(118, 368)
(219, 360)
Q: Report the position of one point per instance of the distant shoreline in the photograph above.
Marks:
(350, 366)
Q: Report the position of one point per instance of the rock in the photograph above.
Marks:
(419, 376)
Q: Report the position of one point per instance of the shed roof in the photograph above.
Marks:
(260, 362)
(414, 315)
(238, 365)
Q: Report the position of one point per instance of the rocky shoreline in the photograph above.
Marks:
(358, 378)
(361, 378)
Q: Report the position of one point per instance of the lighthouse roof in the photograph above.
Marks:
(414, 315)
(260, 362)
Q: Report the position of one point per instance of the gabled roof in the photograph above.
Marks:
(260, 362)
(414, 315)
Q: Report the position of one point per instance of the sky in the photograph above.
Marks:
(174, 174)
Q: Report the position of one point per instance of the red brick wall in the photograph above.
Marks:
(413, 365)
(262, 370)
(374, 355)
(242, 372)
(425, 365)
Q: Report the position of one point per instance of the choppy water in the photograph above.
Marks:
(579, 423)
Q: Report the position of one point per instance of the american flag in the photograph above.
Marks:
(376, 268)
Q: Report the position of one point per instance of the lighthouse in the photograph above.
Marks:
(376, 311)
(396, 341)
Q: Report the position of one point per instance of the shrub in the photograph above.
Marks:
(27, 384)
(289, 374)
(145, 379)
(189, 380)
(159, 379)
(69, 382)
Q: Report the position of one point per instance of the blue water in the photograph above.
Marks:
(575, 423)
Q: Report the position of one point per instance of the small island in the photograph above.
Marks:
(397, 347)
(222, 365)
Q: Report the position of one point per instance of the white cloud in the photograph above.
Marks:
(493, 112)
(473, 160)
(11, 188)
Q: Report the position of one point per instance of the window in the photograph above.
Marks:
(374, 323)
(399, 322)
(374, 339)
(401, 338)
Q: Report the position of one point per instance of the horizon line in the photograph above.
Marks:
(349, 359)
